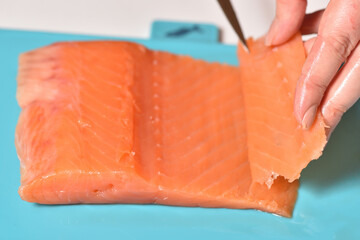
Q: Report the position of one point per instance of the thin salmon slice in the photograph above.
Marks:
(277, 144)
(114, 122)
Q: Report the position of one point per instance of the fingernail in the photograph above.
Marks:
(268, 40)
(270, 35)
(328, 132)
(309, 117)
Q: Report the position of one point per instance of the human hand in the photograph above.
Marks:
(321, 84)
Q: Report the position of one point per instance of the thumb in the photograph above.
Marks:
(288, 19)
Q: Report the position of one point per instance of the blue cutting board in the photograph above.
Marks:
(328, 205)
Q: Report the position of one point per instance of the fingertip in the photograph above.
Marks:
(331, 118)
(268, 40)
(309, 117)
(280, 38)
(328, 132)
(271, 33)
(329, 128)
(272, 38)
(288, 19)
(279, 33)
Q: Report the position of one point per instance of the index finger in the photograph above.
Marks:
(339, 32)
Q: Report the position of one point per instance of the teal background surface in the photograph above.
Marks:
(328, 205)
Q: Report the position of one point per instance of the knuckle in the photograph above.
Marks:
(341, 44)
(337, 109)
(315, 84)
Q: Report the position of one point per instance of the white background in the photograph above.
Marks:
(132, 18)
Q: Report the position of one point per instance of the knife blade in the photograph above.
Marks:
(230, 14)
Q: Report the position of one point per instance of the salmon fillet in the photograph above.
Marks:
(114, 122)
